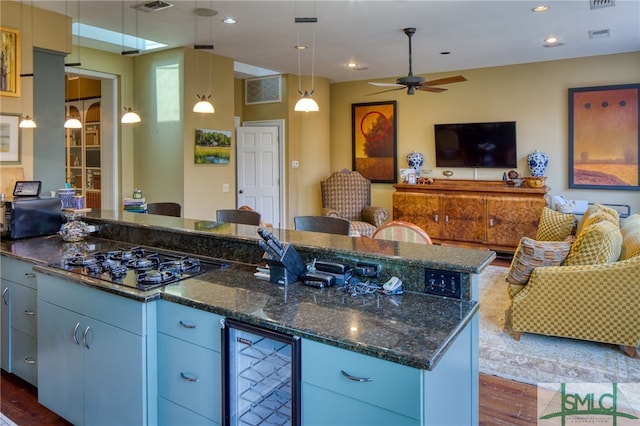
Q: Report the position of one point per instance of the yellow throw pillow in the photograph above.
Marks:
(596, 213)
(598, 243)
(554, 226)
(531, 254)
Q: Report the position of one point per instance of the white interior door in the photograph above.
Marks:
(258, 174)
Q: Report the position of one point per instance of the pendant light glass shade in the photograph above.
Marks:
(27, 123)
(72, 123)
(203, 105)
(130, 116)
(306, 103)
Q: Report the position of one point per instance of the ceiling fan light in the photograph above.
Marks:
(130, 116)
(27, 123)
(72, 123)
(203, 105)
(306, 103)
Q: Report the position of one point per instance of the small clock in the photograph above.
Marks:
(27, 188)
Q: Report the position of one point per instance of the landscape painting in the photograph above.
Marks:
(604, 137)
(374, 140)
(212, 146)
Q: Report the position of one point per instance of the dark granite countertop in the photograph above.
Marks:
(412, 329)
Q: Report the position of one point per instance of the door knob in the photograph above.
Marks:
(241, 191)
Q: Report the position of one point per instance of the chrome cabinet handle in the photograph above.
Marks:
(75, 334)
(29, 275)
(491, 224)
(4, 296)
(185, 325)
(84, 337)
(30, 360)
(354, 378)
(446, 218)
(189, 377)
(30, 313)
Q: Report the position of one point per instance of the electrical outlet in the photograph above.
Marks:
(225, 187)
(368, 270)
(443, 283)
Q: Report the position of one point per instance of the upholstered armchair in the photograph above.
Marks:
(347, 194)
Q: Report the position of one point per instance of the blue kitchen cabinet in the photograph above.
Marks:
(19, 316)
(189, 366)
(92, 351)
(348, 388)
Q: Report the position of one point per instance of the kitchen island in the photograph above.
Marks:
(421, 349)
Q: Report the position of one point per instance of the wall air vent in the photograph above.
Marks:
(599, 33)
(262, 90)
(152, 6)
(601, 4)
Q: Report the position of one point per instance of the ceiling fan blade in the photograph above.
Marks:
(386, 84)
(384, 91)
(446, 80)
(431, 89)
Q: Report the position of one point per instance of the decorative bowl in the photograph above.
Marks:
(535, 181)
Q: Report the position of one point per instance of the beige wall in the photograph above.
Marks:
(534, 95)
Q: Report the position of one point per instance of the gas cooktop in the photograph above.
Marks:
(137, 267)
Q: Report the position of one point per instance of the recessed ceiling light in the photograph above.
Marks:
(551, 40)
(541, 8)
(229, 20)
(352, 65)
(300, 47)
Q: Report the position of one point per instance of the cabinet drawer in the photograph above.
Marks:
(171, 414)
(321, 407)
(24, 305)
(24, 356)
(118, 311)
(18, 271)
(392, 386)
(189, 375)
(192, 325)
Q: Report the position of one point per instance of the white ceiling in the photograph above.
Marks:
(369, 32)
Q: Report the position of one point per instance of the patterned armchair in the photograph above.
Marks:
(347, 195)
(597, 301)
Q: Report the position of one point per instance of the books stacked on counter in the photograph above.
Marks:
(136, 205)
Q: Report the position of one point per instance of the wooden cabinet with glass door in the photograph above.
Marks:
(83, 163)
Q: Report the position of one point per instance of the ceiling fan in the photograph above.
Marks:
(412, 82)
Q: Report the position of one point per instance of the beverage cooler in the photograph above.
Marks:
(261, 376)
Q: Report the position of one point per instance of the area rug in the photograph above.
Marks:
(542, 359)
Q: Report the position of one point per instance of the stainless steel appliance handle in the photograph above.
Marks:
(75, 334)
(30, 360)
(4, 296)
(189, 377)
(354, 378)
(185, 325)
(84, 337)
(30, 313)
(29, 275)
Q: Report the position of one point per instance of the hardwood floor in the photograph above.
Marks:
(502, 402)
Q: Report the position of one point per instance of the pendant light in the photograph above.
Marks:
(306, 103)
(73, 122)
(130, 116)
(27, 122)
(203, 105)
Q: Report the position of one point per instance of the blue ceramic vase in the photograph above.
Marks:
(415, 160)
(537, 162)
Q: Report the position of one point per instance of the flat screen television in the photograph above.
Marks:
(476, 145)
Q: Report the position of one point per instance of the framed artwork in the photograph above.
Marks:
(9, 138)
(604, 137)
(9, 62)
(212, 147)
(374, 143)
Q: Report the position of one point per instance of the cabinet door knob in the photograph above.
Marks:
(29, 275)
(436, 217)
(84, 337)
(186, 325)
(355, 378)
(189, 377)
(446, 218)
(29, 313)
(75, 334)
(491, 223)
(4, 296)
(30, 360)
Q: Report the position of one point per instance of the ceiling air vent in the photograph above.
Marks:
(601, 4)
(599, 33)
(262, 90)
(152, 6)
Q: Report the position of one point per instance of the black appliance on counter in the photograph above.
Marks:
(28, 215)
(136, 267)
(261, 376)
